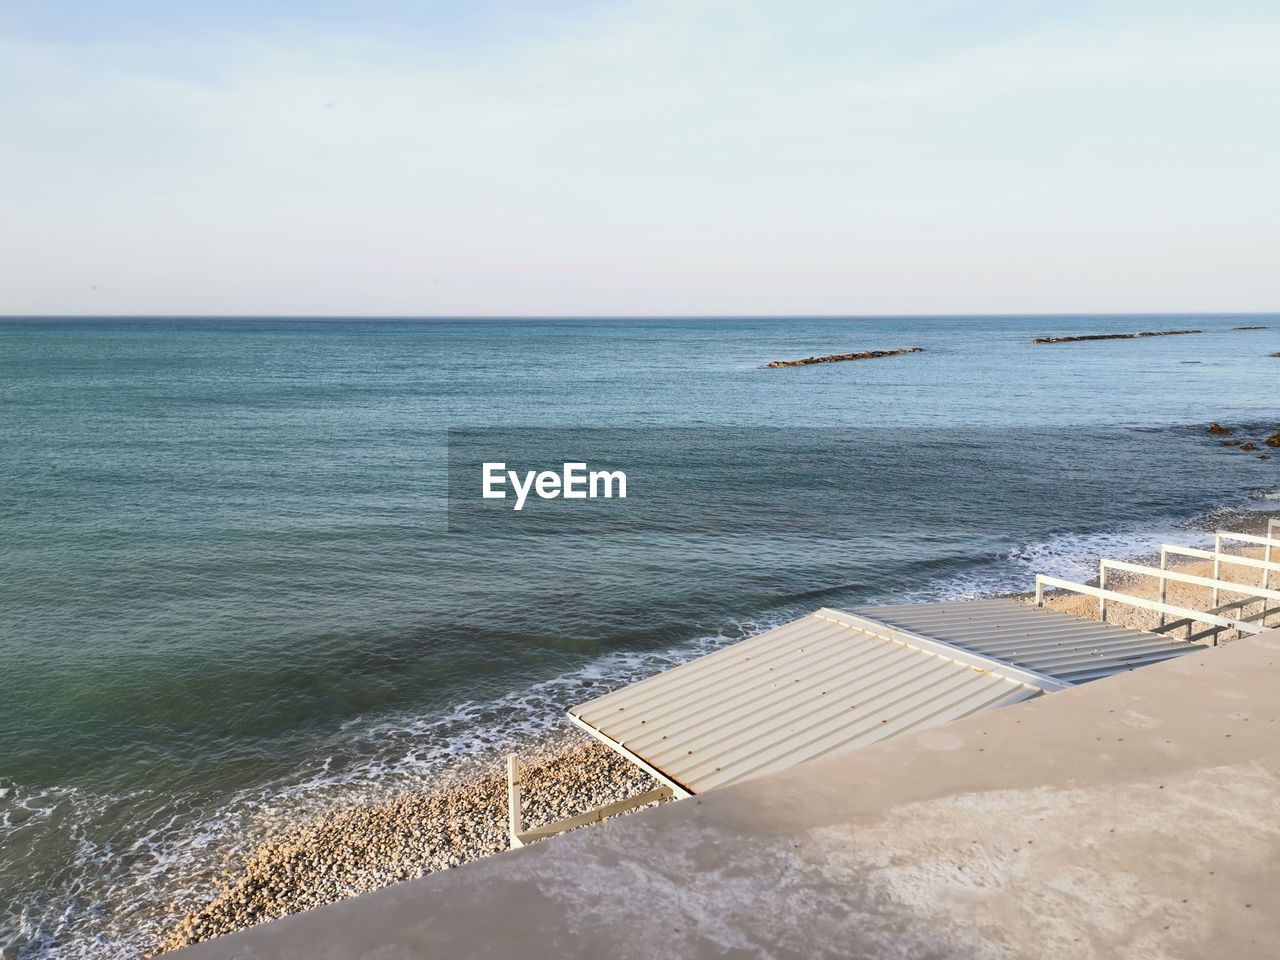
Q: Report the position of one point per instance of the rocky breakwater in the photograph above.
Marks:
(356, 849)
(1114, 336)
(839, 357)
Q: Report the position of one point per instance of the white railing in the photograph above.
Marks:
(1177, 576)
(1266, 565)
(1267, 543)
(1196, 616)
(1164, 576)
(1224, 559)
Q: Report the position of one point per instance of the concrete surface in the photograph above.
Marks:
(1134, 817)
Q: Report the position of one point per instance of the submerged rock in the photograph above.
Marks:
(1216, 427)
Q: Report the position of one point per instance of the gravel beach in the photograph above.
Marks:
(362, 848)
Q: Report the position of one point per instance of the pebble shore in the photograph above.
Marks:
(361, 848)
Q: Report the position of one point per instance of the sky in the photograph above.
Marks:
(396, 158)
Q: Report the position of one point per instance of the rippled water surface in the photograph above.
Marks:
(230, 593)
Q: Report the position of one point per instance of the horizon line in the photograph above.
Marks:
(629, 316)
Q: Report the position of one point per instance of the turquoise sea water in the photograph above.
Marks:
(229, 588)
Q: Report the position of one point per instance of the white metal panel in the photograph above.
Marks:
(830, 681)
(1057, 644)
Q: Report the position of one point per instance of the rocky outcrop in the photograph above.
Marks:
(1114, 336)
(1261, 327)
(1247, 446)
(838, 357)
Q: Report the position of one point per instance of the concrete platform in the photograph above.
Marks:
(1137, 816)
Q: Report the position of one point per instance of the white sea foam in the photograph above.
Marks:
(482, 730)
(1075, 556)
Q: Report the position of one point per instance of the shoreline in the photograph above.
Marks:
(362, 847)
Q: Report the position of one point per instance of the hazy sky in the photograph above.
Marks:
(428, 158)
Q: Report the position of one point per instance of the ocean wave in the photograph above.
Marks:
(1075, 556)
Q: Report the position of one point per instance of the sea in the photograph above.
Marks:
(243, 579)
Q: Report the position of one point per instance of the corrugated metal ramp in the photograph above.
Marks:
(836, 681)
(830, 681)
(1057, 644)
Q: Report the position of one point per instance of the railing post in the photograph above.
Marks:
(1217, 569)
(1164, 583)
(514, 814)
(1102, 585)
(1272, 526)
(1217, 572)
(1039, 591)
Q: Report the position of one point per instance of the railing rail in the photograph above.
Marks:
(1230, 559)
(1216, 583)
(1196, 616)
(1224, 609)
(1219, 558)
(1250, 593)
(1251, 538)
